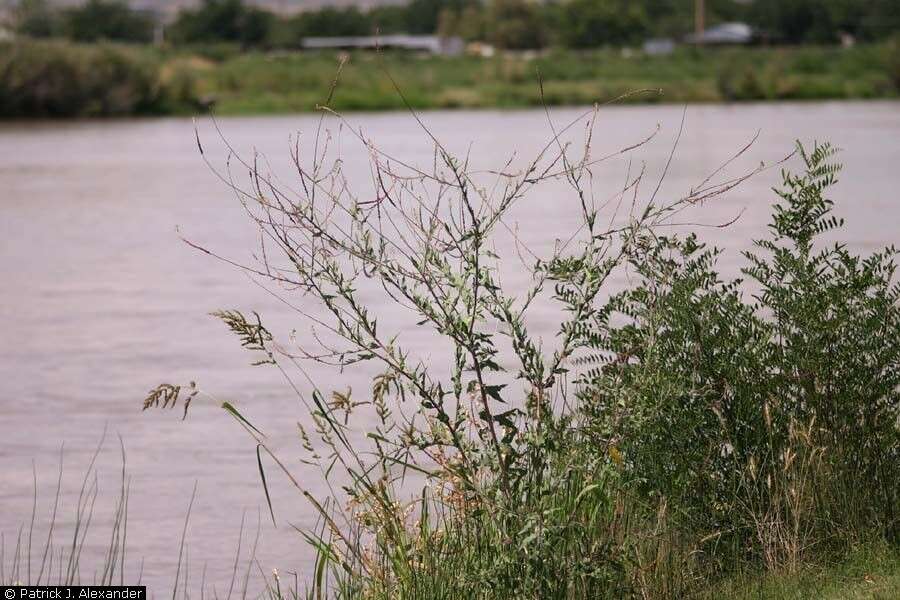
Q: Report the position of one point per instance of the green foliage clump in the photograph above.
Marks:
(811, 21)
(332, 22)
(771, 424)
(588, 24)
(36, 18)
(222, 21)
(892, 53)
(515, 24)
(111, 20)
(53, 79)
(93, 21)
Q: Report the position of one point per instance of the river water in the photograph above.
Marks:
(100, 300)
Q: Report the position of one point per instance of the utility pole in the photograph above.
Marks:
(699, 18)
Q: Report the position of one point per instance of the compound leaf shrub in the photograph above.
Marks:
(763, 410)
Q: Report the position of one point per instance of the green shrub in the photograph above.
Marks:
(106, 20)
(56, 79)
(743, 82)
(222, 21)
(589, 23)
(770, 424)
(892, 53)
(36, 18)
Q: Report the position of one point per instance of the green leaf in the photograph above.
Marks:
(234, 412)
(262, 476)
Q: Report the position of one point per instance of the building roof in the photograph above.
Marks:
(428, 43)
(724, 33)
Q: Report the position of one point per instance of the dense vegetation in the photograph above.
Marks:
(688, 430)
(505, 23)
(181, 81)
(58, 79)
(224, 52)
(259, 83)
(95, 20)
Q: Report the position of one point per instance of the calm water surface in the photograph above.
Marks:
(100, 301)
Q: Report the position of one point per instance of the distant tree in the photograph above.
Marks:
(789, 20)
(880, 19)
(590, 23)
(423, 16)
(515, 24)
(36, 18)
(223, 20)
(332, 22)
(822, 21)
(448, 23)
(107, 20)
(468, 23)
(388, 19)
(472, 25)
(255, 26)
(675, 18)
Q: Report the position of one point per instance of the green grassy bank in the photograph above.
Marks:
(258, 83)
(55, 79)
(871, 573)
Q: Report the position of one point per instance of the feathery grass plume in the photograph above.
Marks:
(253, 336)
(166, 395)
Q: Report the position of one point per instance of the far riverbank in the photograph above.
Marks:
(59, 79)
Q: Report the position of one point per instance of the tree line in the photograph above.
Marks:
(513, 24)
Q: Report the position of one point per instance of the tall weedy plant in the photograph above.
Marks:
(605, 462)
